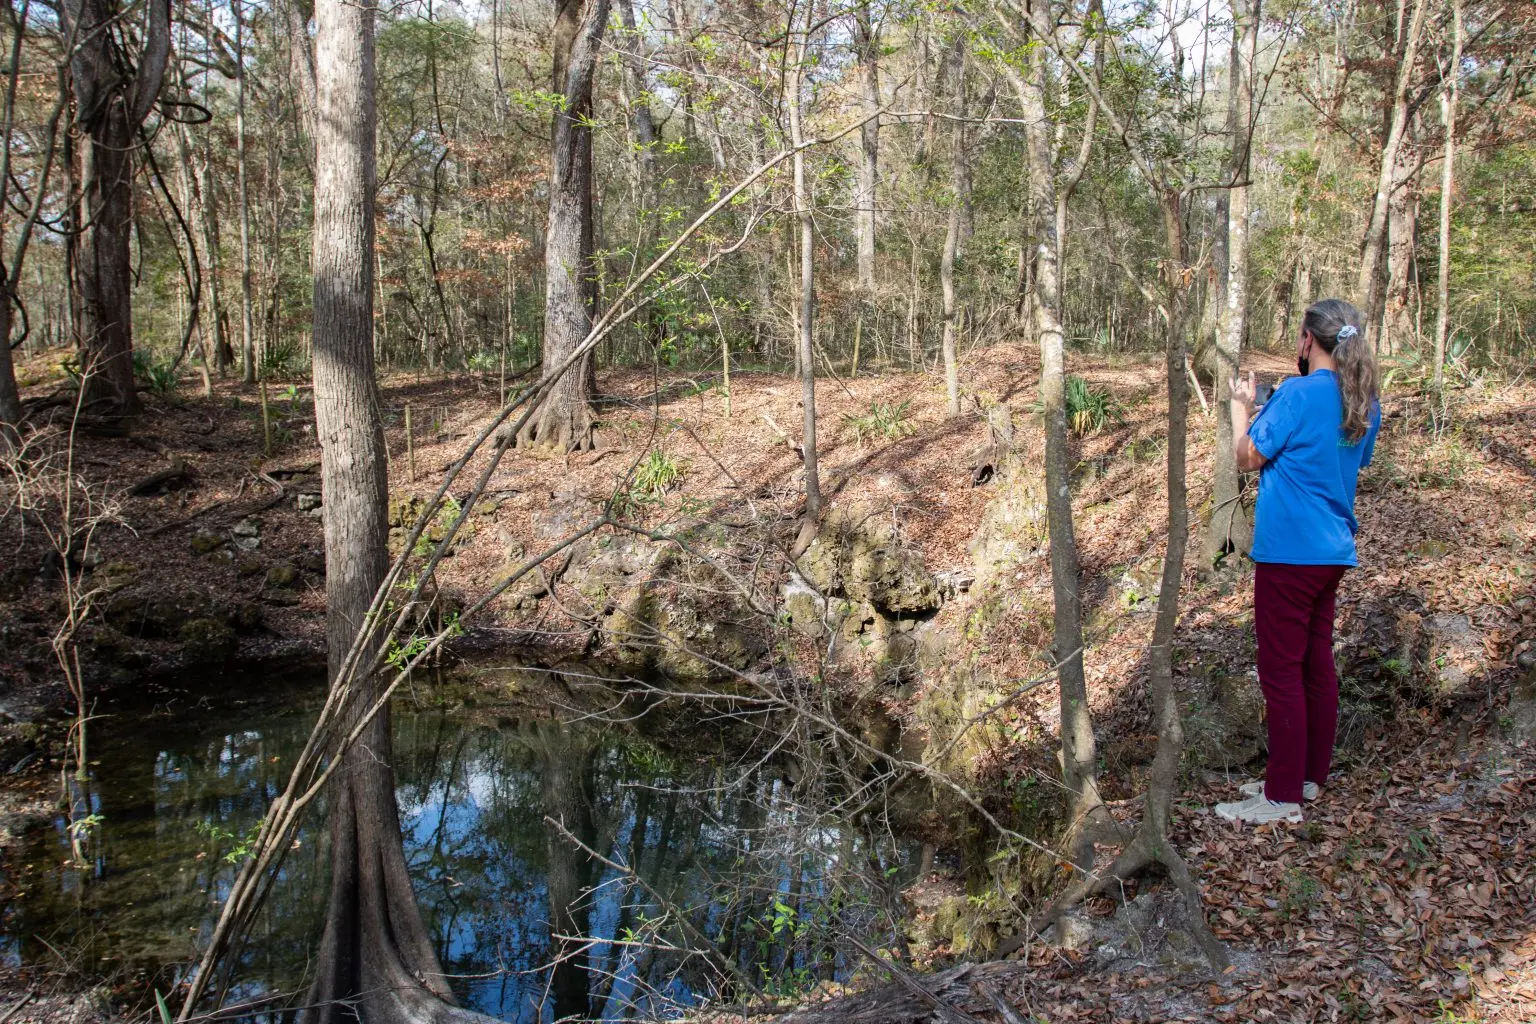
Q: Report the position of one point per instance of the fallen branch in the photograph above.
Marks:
(946, 1010)
(176, 471)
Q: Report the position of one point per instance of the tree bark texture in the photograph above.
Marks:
(10, 397)
(1230, 529)
(959, 189)
(376, 961)
(1449, 96)
(112, 99)
(564, 418)
(1402, 233)
(867, 40)
(807, 305)
(247, 325)
(1369, 287)
(1079, 760)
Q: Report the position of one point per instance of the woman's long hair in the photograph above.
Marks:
(1336, 326)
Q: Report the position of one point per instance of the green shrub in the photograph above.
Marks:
(281, 359)
(654, 476)
(484, 361)
(160, 377)
(889, 420)
(1089, 408)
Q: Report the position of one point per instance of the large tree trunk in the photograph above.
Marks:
(376, 960)
(1230, 530)
(564, 418)
(112, 99)
(867, 40)
(565, 786)
(1368, 287)
(1448, 102)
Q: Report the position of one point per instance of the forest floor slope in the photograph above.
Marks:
(1408, 893)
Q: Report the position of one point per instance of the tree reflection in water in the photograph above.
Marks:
(734, 877)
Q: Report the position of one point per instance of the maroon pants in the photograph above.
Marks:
(1293, 617)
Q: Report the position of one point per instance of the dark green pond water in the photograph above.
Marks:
(725, 852)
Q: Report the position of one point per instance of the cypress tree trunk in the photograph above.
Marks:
(376, 960)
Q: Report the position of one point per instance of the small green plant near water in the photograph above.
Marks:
(402, 654)
(241, 844)
(81, 828)
(448, 513)
(888, 420)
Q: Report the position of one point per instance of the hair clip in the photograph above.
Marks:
(1346, 332)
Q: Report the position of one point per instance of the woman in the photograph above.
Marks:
(1309, 443)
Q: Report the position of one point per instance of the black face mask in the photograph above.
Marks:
(1301, 365)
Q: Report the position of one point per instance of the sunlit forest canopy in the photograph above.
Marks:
(690, 96)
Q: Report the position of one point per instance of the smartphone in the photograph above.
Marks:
(1262, 394)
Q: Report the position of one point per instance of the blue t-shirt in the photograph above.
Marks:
(1306, 507)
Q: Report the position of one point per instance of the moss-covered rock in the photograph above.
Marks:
(282, 576)
(160, 615)
(1223, 721)
(207, 640)
(805, 609)
(858, 554)
(1013, 526)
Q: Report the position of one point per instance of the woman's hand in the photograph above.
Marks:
(1245, 391)
(1244, 394)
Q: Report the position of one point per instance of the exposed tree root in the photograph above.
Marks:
(376, 963)
(1147, 849)
(561, 424)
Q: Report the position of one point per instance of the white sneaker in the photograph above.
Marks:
(1309, 790)
(1258, 810)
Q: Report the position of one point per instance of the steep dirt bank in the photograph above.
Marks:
(925, 594)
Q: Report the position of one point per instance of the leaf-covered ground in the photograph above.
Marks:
(1407, 895)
